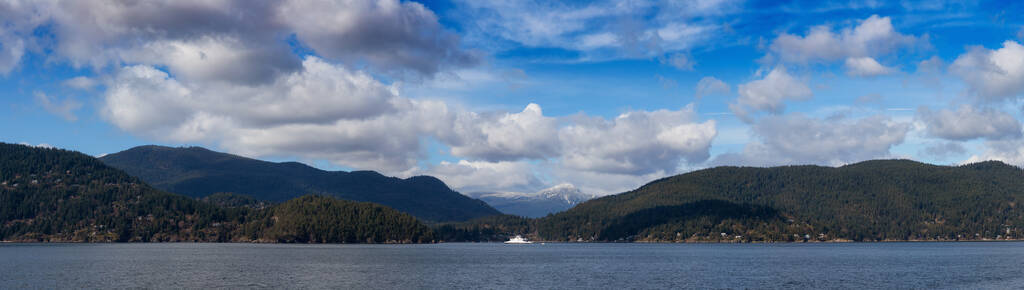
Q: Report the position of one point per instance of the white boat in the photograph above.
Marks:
(518, 240)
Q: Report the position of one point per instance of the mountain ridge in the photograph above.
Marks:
(56, 195)
(874, 200)
(198, 172)
(536, 204)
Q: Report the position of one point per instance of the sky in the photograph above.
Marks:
(517, 96)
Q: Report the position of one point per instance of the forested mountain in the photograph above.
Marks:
(229, 200)
(198, 172)
(59, 195)
(868, 201)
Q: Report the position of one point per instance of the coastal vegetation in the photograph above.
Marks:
(881, 200)
(53, 195)
(63, 196)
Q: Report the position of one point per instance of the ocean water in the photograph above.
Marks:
(996, 265)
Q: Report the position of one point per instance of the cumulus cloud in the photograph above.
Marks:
(865, 67)
(326, 111)
(15, 30)
(527, 134)
(64, 108)
(992, 75)
(197, 40)
(233, 40)
(637, 143)
(968, 123)
(321, 111)
(798, 139)
(390, 33)
(142, 99)
(711, 86)
(81, 83)
(872, 37)
(769, 94)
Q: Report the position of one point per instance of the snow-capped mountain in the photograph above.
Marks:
(537, 204)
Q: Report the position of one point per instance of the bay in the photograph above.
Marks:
(996, 265)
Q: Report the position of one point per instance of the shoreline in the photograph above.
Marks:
(534, 242)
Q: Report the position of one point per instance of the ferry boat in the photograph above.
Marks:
(518, 239)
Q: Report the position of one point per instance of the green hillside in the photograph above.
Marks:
(318, 219)
(58, 195)
(63, 196)
(198, 172)
(868, 201)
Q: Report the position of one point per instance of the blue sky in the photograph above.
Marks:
(521, 95)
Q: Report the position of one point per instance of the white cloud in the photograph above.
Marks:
(198, 40)
(390, 33)
(528, 134)
(221, 58)
(711, 86)
(475, 176)
(11, 50)
(600, 29)
(769, 94)
(1008, 151)
(872, 37)
(81, 83)
(636, 143)
(603, 156)
(601, 183)
(64, 108)
(797, 139)
(992, 75)
(144, 100)
(323, 111)
(231, 40)
(598, 40)
(15, 28)
(865, 67)
(968, 123)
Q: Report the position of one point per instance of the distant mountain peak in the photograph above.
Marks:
(567, 192)
(537, 204)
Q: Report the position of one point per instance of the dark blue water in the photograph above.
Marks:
(442, 266)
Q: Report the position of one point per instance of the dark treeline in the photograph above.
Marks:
(486, 229)
(320, 219)
(869, 201)
(59, 195)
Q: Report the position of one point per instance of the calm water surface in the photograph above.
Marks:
(559, 266)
